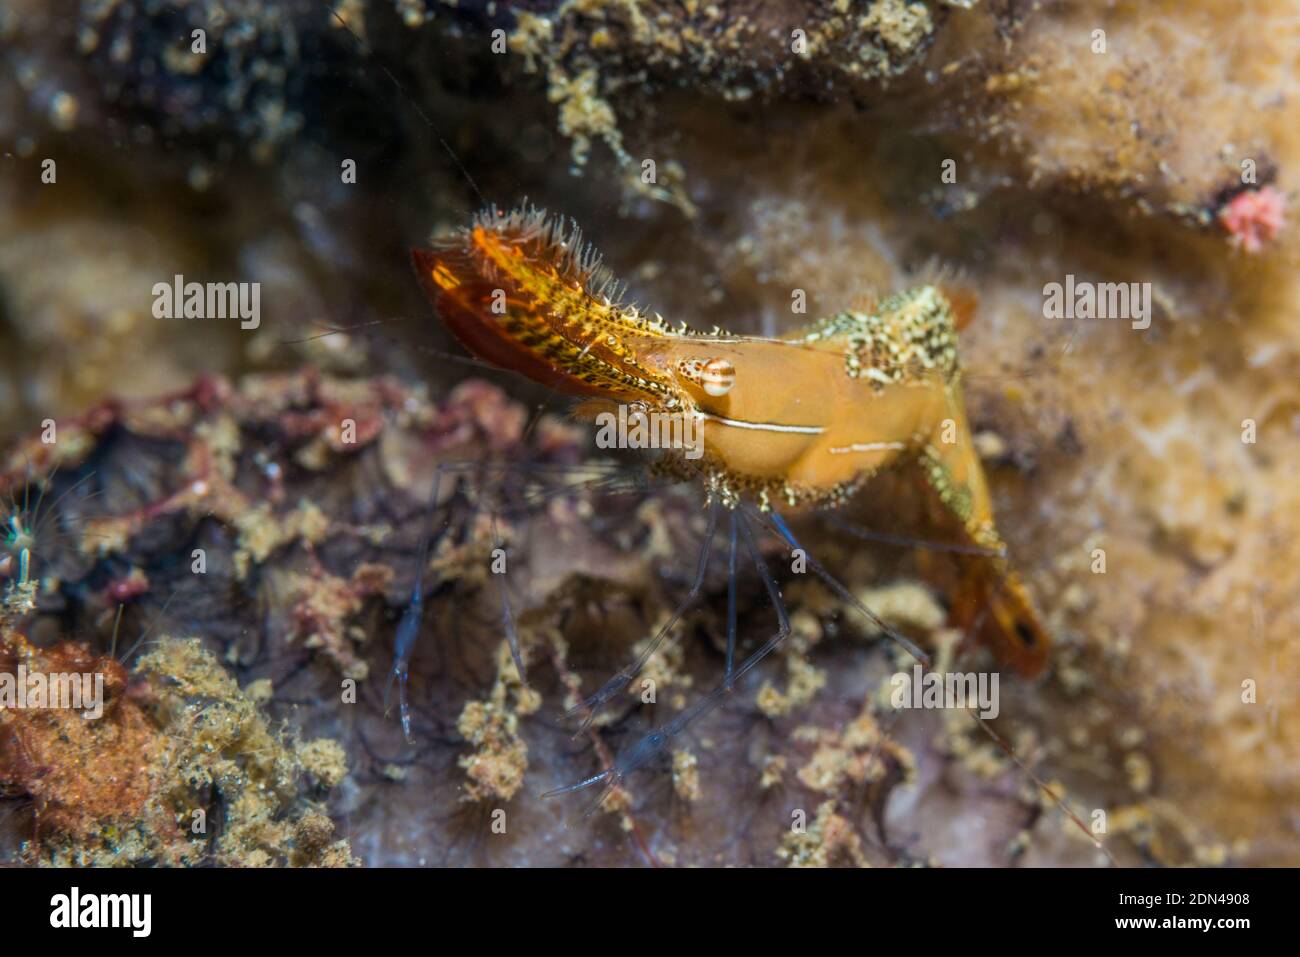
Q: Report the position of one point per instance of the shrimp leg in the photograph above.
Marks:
(507, 617)
(731, 602)
(906, 541)
(615, 685)
(774, 521)
(657, 741)
(408, 628)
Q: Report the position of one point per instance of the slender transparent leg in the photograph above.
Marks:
(408, 629)
(731, 602)
(777, 523)
(657, 741)
(616, 685)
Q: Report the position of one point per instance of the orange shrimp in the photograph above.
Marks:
(802, 421)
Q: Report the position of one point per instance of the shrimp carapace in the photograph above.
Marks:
(799, 421)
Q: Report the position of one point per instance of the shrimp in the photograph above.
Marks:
(795, 423)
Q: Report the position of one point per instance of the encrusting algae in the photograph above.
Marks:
(183, 768)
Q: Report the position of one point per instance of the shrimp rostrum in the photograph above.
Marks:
(795, 423)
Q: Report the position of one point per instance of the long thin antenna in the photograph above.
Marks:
(774, 521)
(370, 54)
(145, 634)
(417, 346)
(117, 623)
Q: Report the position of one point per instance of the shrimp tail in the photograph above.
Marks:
(992, 604)
(994, 607)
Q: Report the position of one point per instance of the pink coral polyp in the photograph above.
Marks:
(1254, 218)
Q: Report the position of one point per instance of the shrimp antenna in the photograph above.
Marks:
(167, 604)
(370, 55)
(417, 346)
(117, 623)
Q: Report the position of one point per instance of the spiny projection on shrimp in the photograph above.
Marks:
(796, 423)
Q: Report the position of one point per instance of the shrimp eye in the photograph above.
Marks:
(718, 376)
(715, 376)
